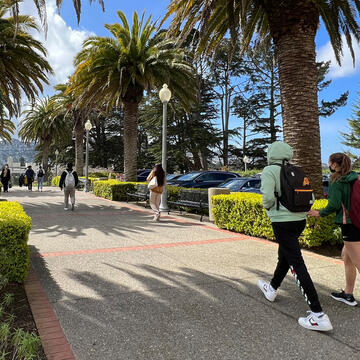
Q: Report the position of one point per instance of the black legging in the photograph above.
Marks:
(290, 257)
(5, 183)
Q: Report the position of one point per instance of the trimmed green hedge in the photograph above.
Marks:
(244, 213)
(15, 226)
(114, 189)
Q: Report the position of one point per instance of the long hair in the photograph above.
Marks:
(344, 163)
(160, 174)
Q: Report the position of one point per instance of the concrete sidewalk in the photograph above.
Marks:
(125, 287)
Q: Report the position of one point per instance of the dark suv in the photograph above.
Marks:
(203, 179)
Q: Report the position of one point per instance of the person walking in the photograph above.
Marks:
(5, 177)
(156, 185)
(287, 227)
(69, 180)
(40, 178)
(30, 175)
(341, 181)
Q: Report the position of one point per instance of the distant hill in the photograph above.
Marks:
(17, 150)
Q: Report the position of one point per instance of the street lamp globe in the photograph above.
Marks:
(88, 125)
(56, 152)
(245, 159)
(165, 94)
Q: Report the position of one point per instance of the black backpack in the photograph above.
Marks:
(296, 191)
(40, 173)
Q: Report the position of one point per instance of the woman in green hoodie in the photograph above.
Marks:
(339, 197)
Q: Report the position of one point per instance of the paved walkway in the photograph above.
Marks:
(124, 287)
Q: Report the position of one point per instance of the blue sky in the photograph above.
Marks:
(65, 37)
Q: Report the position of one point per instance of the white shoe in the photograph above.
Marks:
(269, 293)
(66, 209)
(313, 322)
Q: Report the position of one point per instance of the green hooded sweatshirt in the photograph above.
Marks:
(339, 193)
(270, 183)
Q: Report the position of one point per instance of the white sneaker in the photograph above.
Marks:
(66, 209)
(269, 293)
(313, 322)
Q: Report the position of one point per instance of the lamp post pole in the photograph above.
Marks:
(246, 160)
(165, 96)
(88, 127)
(56, 161)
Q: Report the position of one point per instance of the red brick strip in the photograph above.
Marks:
(55, 344)
(140, 247)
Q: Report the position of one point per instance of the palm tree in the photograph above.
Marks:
(42, 124)
(66, 101)
(117, 70)
(292, 25)
(7, 127)
(23, 66)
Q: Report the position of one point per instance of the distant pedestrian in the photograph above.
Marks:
(288, 226)
(69, 180)
(30, 175)
(21, 180)
(5, 177)
(156, 185)
(40, 178)
(343, 197)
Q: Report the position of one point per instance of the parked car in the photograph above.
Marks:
(243, 185)
(203, 179)
(173, 177)
(142, 174)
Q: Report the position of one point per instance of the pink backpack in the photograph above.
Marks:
(354, 212)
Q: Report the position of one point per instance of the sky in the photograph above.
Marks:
(65, 37)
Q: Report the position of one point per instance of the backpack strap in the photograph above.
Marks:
(276, 193)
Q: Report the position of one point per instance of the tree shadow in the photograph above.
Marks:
(184, 313)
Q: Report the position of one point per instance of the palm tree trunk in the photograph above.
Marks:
(79, 145)
(294, 29)
(45, 157)
(130, 140)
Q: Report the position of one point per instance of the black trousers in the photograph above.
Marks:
(5, 183)
(290, 257)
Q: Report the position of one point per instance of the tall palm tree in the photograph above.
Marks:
(110, 71)
(66, 100)
(292, 25)
(7, 127)
(42, 124)
(23, 66)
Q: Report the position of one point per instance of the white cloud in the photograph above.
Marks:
(62, 42)
(326, 53)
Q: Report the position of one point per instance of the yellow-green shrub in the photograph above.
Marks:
(114, 189)
(243, 212)
(15, 226)
(55, 181)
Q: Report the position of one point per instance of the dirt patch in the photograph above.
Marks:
(23, 315)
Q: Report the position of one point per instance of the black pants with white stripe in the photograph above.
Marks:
(290, 257)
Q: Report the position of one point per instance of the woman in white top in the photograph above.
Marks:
(156, 185)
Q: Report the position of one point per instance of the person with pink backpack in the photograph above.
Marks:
(344, 200)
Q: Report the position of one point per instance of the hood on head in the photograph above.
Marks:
(279, 151)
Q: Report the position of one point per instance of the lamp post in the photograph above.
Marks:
(165, 96)
(245, 160)
(88, 127)
(56, 160)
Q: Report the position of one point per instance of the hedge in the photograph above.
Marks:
(116, 190)
(244, 213)
(15, 226)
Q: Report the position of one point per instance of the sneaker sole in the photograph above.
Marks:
(354, 303)
(328, 328)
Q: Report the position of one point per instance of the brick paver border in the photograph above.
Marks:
(55, 344)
